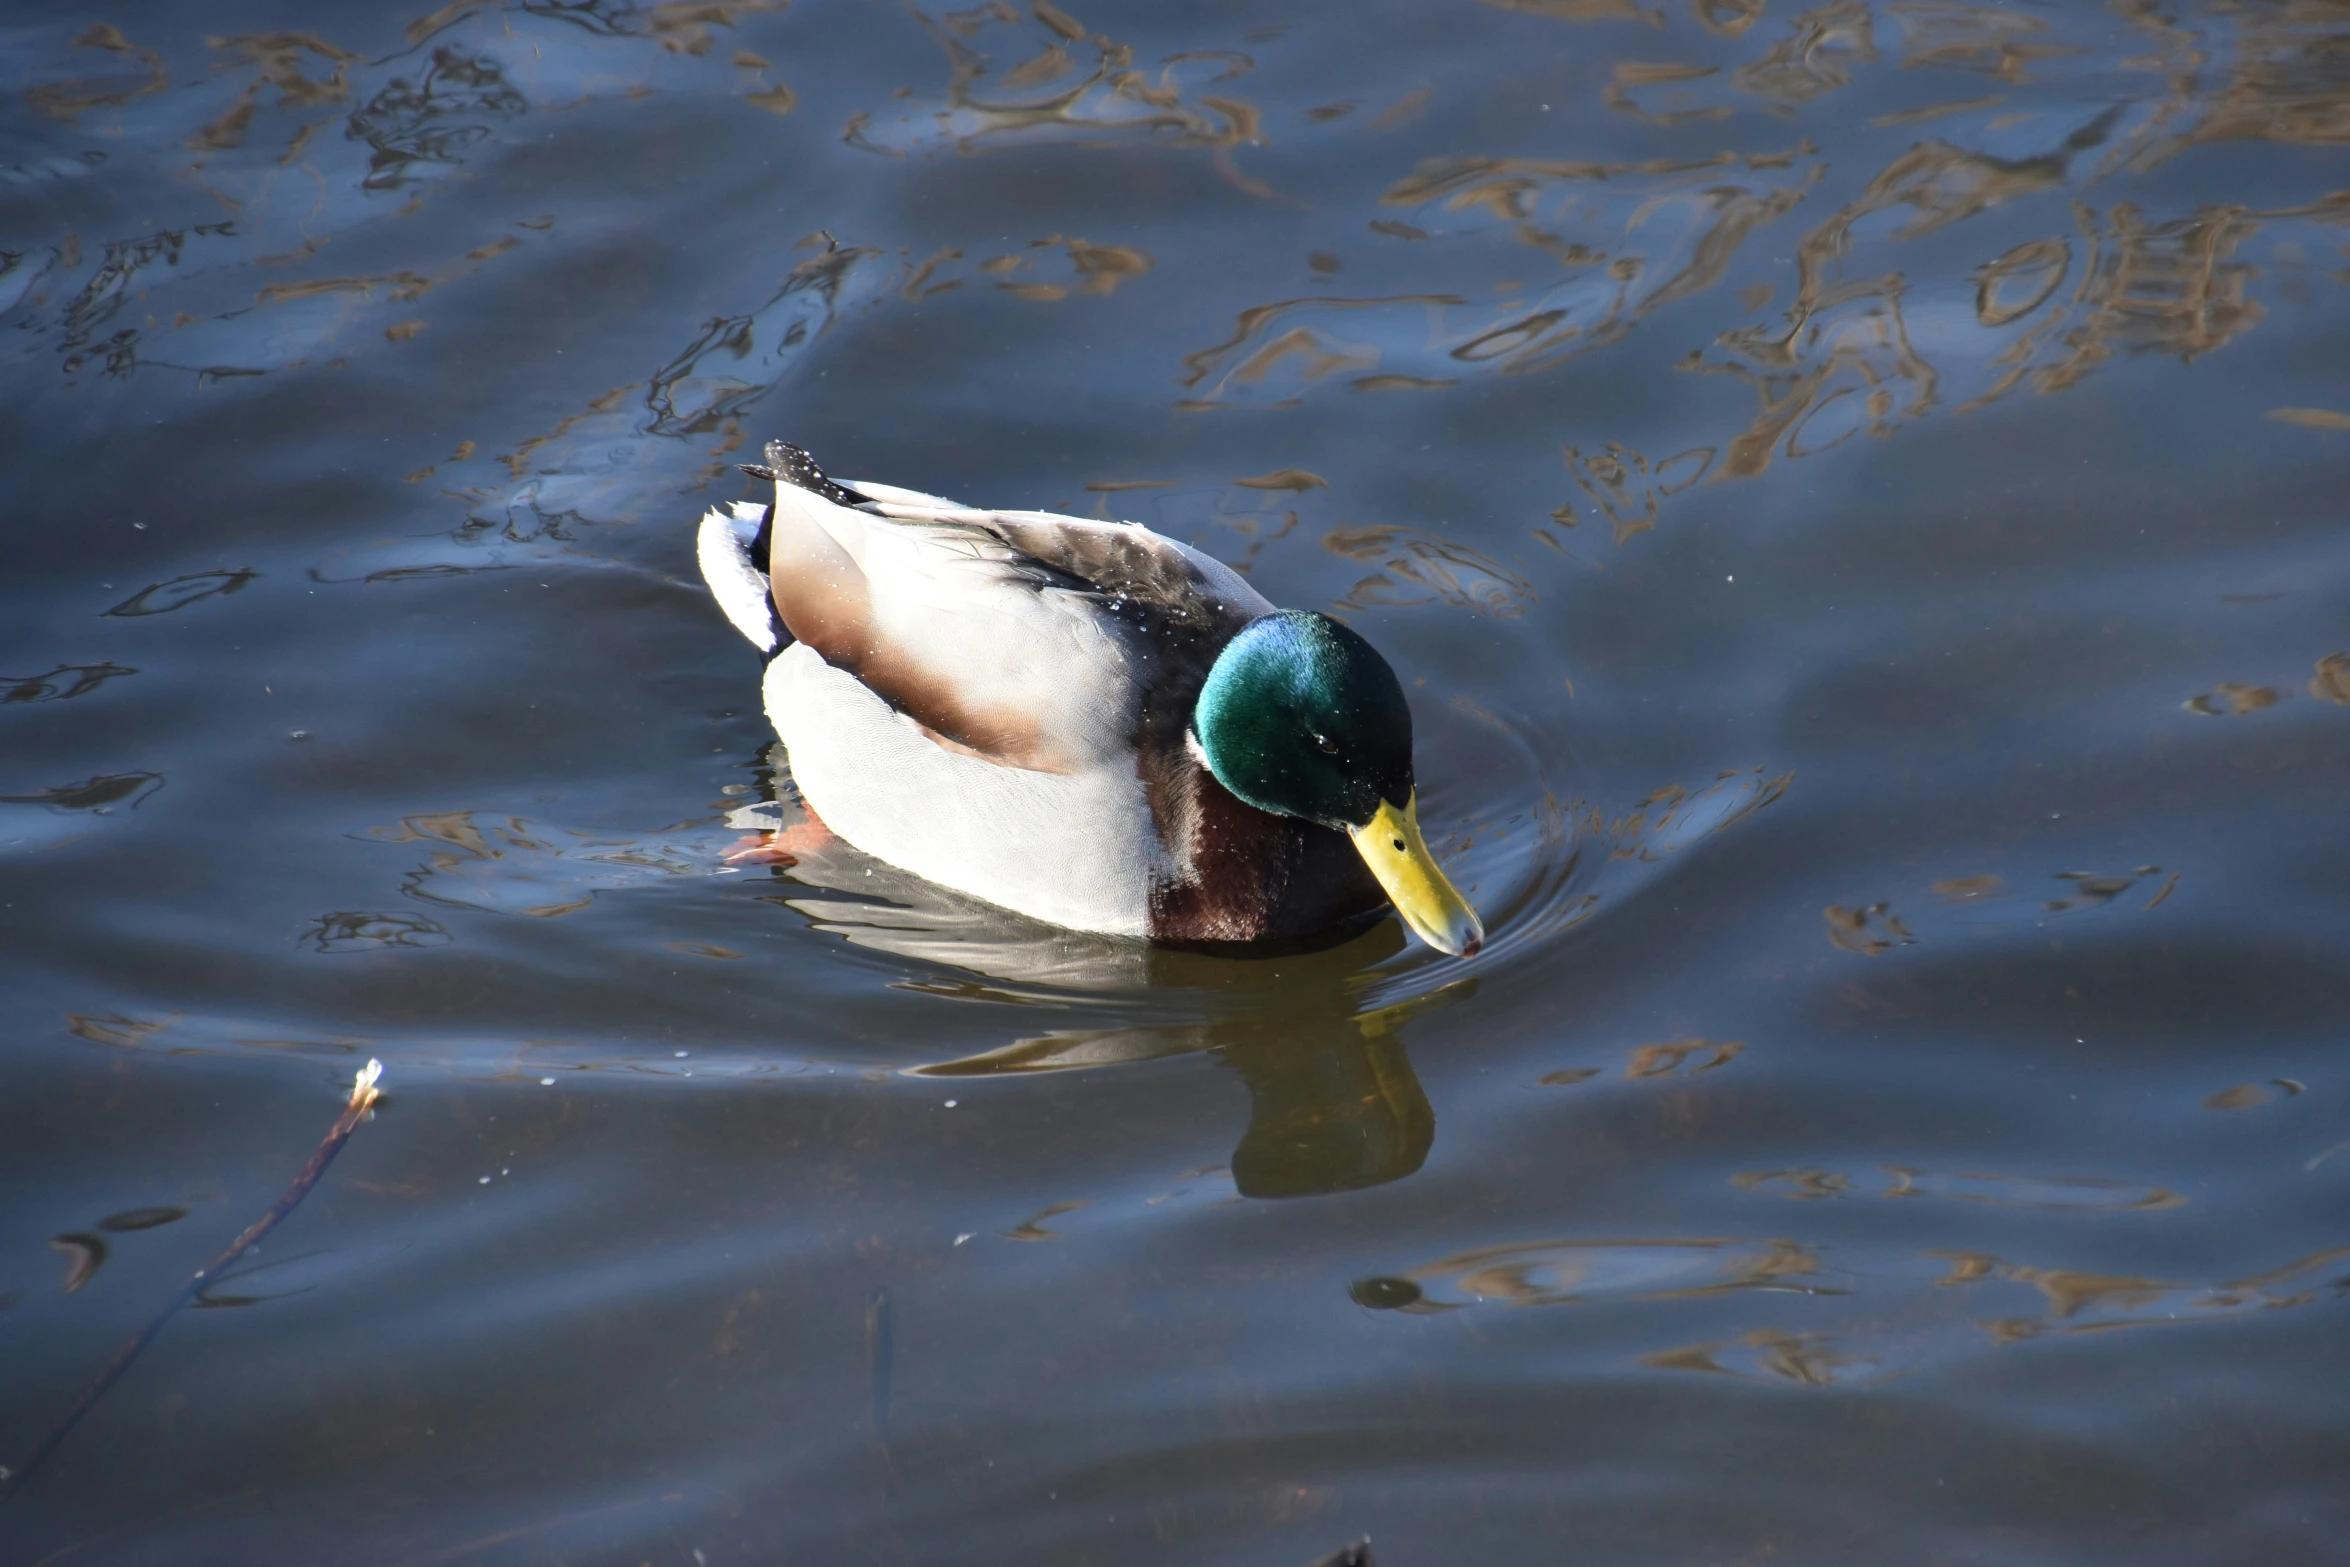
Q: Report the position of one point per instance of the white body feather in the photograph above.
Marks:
(1072, 849)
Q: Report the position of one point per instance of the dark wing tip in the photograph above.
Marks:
(758, 470)
(792, 465)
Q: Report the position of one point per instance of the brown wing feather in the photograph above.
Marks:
(826, 602)
(1167, 612)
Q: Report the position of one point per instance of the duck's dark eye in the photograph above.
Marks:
(1328, 745)
(1399, 846)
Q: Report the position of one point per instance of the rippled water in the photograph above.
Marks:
(1857, 496)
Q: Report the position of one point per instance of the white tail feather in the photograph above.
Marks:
(738, 585)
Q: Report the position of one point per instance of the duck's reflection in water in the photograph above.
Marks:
(1334, 1102)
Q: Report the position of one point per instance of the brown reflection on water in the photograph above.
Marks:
(416, 116)
(1816, 56)
(679, 26)
(2091, 890)
(1625, 489)
(2170, 288)
(597, 467)
(114, 1029)
(2064, 1193)
(2328, 682)
(1844, 362)
(1972, 901)
(61, 684)
(1674, 817)
(1644, 1272)
(1032, 1228)
(1768, 1354)
(508, 867)
(1295, 481)
(1628, 76)
(1304, 350)
(2079, 1302)
(100, 794)
(1580, 10)
(1870, 932)
(1846, 337)
(1674, 230)
(1555, 894)
(141, 72)
(164, 597)
(432, 119)
(1992, 40)
(2231, 700)
(358, 931)
(1694, 1055)
(2278, 74)
(2245, 1096)
(2285, 78)
(1423, 568)
(2012, 286)
(1574, 1272)
(2311, 418)
(276, 60)
(1182, 103)
(1817, 52)
(1728, 18)
(323, 310)
(1629, 237)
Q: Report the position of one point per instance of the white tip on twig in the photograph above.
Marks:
(363, 1082)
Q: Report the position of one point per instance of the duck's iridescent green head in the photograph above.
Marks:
(1302, 717)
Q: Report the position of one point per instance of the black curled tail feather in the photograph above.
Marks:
(762, 550)
(789, 464)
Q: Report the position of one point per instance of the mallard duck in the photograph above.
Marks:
(1084, 722)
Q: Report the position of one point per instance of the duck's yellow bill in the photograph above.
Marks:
(1392, 846)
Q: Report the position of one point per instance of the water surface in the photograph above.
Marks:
(1856, 495)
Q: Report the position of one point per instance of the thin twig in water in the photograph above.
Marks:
(363, 1097)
